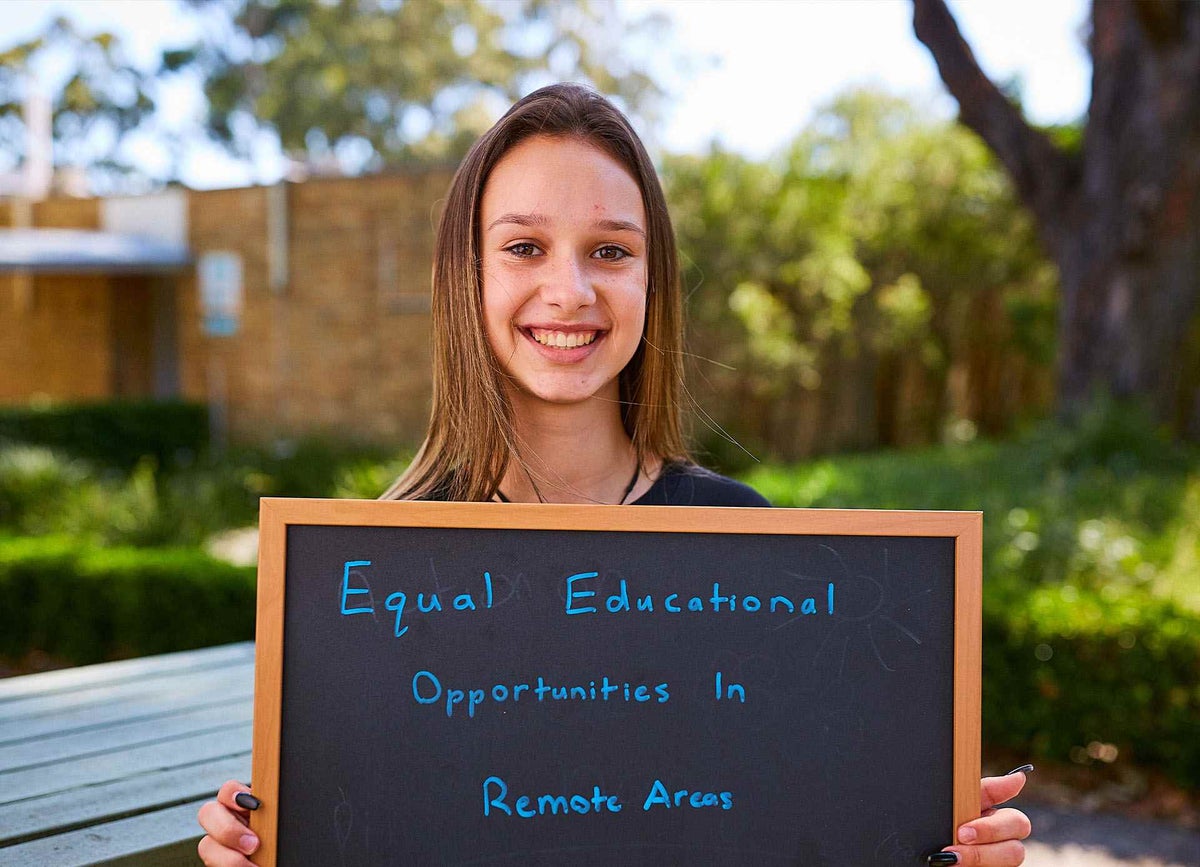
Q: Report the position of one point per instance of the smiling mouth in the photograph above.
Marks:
(562, 339)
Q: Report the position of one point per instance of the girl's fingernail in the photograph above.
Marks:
(1024, 769)
(248, 843)
(943, 858)
(967, 834)
(247, 801)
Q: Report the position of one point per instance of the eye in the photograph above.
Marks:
(522, 250)
(611, 253)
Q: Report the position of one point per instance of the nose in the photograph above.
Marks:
(566, 284)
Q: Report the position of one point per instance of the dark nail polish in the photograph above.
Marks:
(247, 801)
(1024, 769)
(943, 858)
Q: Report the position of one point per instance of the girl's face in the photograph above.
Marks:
(563, 236)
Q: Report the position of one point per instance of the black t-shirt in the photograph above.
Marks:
(690, 485)
(687, 485)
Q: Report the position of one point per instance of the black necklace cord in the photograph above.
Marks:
(637, 473)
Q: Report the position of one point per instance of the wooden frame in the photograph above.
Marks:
(277, 514)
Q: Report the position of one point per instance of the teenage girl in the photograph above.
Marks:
(557, 364)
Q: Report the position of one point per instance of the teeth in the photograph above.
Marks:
(562, 340)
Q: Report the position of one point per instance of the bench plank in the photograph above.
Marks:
(124, 670)
(80, 744)
(45, 816)
(108, 764)
(164, 838)
(164, 687)
(94, 770)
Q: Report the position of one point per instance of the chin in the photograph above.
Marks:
(559, 395)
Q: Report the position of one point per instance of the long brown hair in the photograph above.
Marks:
(470, 439)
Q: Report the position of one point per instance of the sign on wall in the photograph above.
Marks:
(454, 683)
(220, 281)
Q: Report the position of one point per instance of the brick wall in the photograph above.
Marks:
(339, 348)
(55, 330)
(342, 347)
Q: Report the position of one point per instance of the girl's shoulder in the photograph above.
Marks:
(680, 484)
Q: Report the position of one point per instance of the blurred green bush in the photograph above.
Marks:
(1091, 676)
(86, 604)
(113, 434)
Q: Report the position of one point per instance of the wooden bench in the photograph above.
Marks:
(108, 764)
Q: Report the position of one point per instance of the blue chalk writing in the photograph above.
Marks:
(623, 600)
(660, 796)
(495, 795)
(498, 800)
(348, 591)
(395, 602)
(782, 600)
(572, 593)
(437, 684)
(727, 692)
(619, 601)
(426, 603)
(428, 689)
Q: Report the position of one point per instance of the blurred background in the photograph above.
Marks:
(934, 258)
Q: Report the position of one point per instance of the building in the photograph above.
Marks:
(295, 309)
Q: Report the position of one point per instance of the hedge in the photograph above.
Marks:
(1066, 669)
(84, 605)
(114, 434)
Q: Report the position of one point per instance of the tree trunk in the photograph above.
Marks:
(1122, 218)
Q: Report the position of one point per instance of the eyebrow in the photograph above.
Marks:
(543, 220)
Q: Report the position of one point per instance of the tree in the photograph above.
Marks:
(827, 284)
(1120, 216)
(367, 83)
(102, 100)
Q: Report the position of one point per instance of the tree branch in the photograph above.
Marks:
(1044, 176)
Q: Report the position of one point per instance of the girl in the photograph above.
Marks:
(557, 346)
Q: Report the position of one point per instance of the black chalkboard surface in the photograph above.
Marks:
(492, 684)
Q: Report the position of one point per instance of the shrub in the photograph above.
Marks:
(115, 434)
(33, 482)
(1088, 676)
(87, 605)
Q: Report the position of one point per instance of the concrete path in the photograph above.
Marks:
(1068, 838)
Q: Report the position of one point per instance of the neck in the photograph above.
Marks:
(575, 454)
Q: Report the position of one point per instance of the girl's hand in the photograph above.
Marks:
(994, 839)
(229, 838)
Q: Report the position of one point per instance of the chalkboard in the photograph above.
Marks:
(487, 684)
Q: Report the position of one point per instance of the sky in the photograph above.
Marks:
(773, 64)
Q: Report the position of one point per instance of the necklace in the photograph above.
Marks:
(637, 472)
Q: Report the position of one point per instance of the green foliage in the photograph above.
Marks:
(1067, 671)
(101, 573)
(370, 83)
(877, 244)
(1091, 551)
(45, 493)
(366, 479)
(85, 605)
(33, 480)
(312, 467)
(116, 434)
(102, 98)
